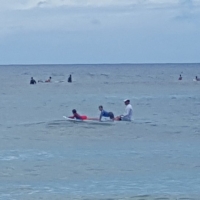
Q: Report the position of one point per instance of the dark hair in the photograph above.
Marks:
(100, 106)
(74, 110)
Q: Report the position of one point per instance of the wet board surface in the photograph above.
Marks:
(95, 122)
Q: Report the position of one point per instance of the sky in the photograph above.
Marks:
(99, 31)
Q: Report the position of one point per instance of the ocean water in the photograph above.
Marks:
(156, 156)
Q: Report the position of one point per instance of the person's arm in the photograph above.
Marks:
(127, 112)
(101, 115)
(77, 116)
(72, 117)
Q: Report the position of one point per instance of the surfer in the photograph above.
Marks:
(70, 78)
(49, 80)
(105, 114)
(77, 116)
(180, 77)
(128, 112)
(197, 79)
(32, 81)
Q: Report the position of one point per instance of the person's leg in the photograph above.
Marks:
(125, 119)
(111, 116)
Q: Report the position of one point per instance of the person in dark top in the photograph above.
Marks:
(180, 77)
(105, 113)
(70, 78)
(77, 116)
(197, 79)
(32, 81)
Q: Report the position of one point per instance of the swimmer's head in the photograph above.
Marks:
(74, 111)
(126, 101)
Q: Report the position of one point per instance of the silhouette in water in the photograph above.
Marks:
(197, 79)
(32, 81)
(70, 78)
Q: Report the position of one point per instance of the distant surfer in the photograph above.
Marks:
(70, 78)
(32, 81)
(48, 80)
(180, 77)
(105, 114)
(77, 116)
(128, 112)
(197, 79)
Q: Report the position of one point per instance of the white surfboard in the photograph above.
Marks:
(96, 122)
(59, 81)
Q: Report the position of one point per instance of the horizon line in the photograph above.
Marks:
(150, 63)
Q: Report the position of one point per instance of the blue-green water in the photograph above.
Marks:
(45, 157)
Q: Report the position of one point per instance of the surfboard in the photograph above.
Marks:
(95, 122)
(59, 81)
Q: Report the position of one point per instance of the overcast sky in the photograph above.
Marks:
(99, 31)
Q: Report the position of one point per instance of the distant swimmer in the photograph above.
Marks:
(77, 116)
(49, 80)
(197, 79)
(105, 114)
(180, 77)
(70, 78)
(32, 81)
(127, 116)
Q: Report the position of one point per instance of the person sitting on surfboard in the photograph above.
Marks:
(128, 112)
(77, 116)
(105, 114)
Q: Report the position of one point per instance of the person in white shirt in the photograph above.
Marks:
(127, 116)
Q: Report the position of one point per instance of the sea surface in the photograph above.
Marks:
(156, 156)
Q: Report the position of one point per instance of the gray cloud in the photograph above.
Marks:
(42, 4)
(188, 10)
(69, 15)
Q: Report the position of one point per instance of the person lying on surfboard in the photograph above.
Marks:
(48, 80)
(77, 116)
(105, 114)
